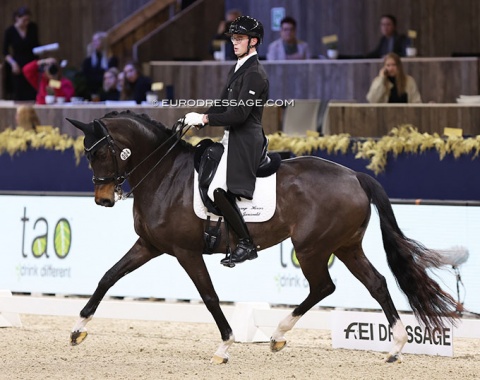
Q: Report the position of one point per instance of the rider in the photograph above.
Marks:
(240, 111)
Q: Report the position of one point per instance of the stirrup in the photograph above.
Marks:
(244, 251)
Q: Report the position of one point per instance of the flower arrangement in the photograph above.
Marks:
(330, 42)
(403, 139)
(412, 35)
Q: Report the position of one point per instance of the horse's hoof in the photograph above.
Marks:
(393, 358)
(218, 360)
(276, 346)
(77, 337)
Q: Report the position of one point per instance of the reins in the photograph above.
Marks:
(180, 131)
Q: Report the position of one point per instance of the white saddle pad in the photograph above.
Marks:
(260, 209)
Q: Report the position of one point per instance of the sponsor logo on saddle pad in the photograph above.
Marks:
(371, 331)
(260, 209)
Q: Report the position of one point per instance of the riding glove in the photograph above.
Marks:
(194, 119)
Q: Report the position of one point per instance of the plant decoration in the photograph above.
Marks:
(412, 35)
(13, 141)
(404, 139)
(331, 42)
(407, 139)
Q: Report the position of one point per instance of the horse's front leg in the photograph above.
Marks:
(138, 255)
(194, 265)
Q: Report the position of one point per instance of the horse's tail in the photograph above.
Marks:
(408, 261)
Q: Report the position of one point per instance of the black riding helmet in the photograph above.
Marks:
(247, 26)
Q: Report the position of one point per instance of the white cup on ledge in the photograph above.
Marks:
(49, 99)
(411, 52)
(60, 99)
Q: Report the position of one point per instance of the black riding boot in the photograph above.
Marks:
(245, 249)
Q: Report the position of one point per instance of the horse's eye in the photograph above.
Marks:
(100, 154)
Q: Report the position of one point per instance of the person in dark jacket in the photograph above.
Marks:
(391, 41)
(136, 85)
(18, 42)
(97, 62)
(240, 111)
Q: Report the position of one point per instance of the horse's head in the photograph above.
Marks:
(107, 158)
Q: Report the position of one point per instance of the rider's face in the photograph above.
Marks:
(240, 44)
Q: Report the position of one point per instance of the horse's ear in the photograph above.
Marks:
(99, 128)
(85, 128)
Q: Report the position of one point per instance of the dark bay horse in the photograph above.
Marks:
(322, 206)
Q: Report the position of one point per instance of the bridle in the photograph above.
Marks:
(179, 128)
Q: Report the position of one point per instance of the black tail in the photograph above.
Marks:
(408, 261)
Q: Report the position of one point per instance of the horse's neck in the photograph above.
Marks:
(161, 172)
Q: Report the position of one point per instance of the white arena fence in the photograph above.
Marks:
(55, 244)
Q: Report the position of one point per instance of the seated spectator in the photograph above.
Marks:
(223, 27)
(97, 62)
(392, 85)
(109, 89)
(136, 85)
(120, 81)
(288, 46)
(391, 41)
(40, 72)
(27, 118)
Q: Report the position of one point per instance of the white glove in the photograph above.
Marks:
(193, 119)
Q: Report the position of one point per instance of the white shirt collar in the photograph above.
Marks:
(241, 61)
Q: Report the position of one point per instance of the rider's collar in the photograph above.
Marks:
(242, 60)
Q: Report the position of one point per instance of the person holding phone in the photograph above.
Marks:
(392, 85)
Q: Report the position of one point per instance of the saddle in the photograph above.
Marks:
(207, 157)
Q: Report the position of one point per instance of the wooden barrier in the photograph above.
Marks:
(440, 80)
(56, 115)
(376, 120)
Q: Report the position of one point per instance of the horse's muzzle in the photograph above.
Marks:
(105, 195)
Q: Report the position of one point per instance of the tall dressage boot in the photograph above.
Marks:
(245, 249)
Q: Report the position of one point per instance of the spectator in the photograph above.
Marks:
(120, 81)
(27, 118)
(136, 85)
(288, 46)
(40, 73)
(392, 85)
(223, 27)
(97, 62)
(18, 41)
(109, 89)
(391, 41)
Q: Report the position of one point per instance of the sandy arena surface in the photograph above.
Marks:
(126, 349)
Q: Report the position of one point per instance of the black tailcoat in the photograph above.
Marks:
(240, 110)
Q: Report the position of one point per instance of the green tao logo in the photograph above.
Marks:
(62, 237)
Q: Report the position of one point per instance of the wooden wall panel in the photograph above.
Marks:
(443, 26)
(368, 120)
(439, 80)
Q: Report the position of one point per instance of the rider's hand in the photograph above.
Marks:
(194, 119)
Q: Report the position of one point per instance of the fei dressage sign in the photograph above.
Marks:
(370, 331)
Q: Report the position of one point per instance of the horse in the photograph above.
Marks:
(322, 206)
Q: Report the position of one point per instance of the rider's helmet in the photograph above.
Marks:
(247, 26)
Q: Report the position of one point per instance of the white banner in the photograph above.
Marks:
(370, 331)
(64, 245)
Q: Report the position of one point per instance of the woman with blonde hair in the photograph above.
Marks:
(27, 118)
(98, 60)
(392, 85)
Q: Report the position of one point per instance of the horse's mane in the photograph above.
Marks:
(144, 118)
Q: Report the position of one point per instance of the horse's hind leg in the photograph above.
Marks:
(138, 255)
(356, 261)
(315, 269)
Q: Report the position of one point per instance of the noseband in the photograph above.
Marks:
(119, 179)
